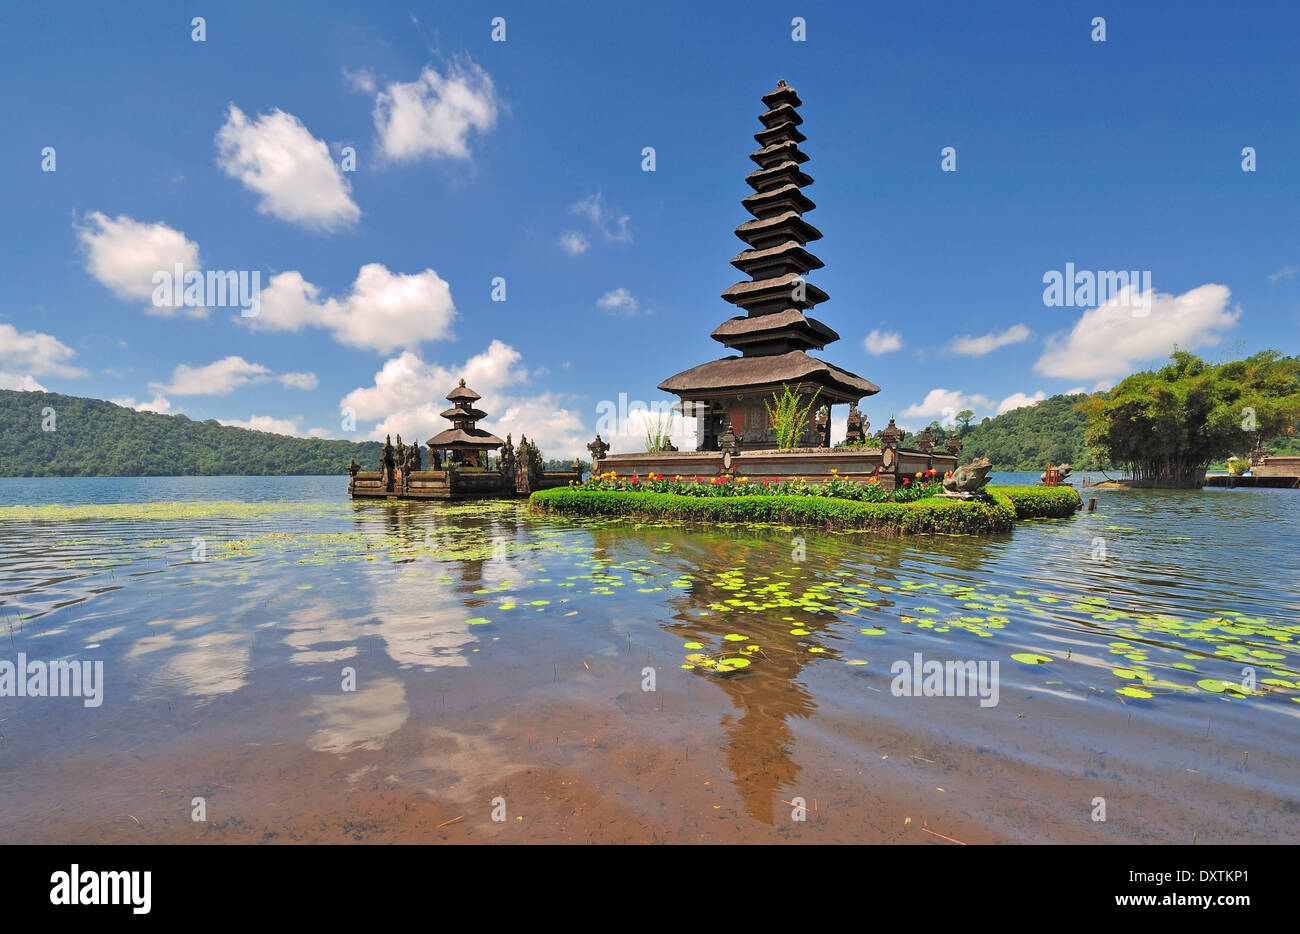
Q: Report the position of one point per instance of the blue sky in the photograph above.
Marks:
(522, 159)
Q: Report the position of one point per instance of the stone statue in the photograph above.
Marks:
(822, 426)
(598, 449)
(506, 459)
(968, 478)
(387, 464)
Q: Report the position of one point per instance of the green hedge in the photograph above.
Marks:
(1041, 502)
(927, 515)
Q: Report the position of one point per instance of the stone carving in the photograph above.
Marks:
(387, 464)
(858, 426)
(925, 440)
(822, 427)
(953, 446)
(890, 435)
(968, 478)
(598, 449)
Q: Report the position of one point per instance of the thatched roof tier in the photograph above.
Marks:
(776, 261)
(463, 393)
(790, 324)
(775, 201)
(765, 296)
(787, 129)
(786, 173)
(763, 375)
(779, 152)
(762, 233)
(782, 94)
(469, 412)
(464, 439)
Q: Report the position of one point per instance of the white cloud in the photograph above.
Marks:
(1076, 391)
(879, 342)
(1285, 274)
(1019, 400)
(987, 343)
(407, 397)
(610, 224)
(363, 80)
(383, 312)
(299, 380)
(1109, 342)
(619, 302)
(223, 377)
(124, 254)
(276, 426)
(276, 157)
(22, 382)
(434, 114)
(159, 404)
(35, 353)
(574, 243)
(945, 404)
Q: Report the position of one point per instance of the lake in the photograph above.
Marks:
(295, 667)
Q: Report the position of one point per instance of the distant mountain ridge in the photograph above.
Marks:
(94, 438)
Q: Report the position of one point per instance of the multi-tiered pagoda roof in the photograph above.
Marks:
(464, 434)
(776, 330)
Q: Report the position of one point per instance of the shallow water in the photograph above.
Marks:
(501, 663)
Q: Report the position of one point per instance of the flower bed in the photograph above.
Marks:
(927, 514)
(924, 484)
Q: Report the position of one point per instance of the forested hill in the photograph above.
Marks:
(93, 438)
(1028, 437)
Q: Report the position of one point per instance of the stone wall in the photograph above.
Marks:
(813, 465)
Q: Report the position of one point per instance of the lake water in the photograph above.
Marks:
(502, 665)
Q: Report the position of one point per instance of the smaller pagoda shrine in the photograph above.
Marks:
(458, 463)
(464, 442)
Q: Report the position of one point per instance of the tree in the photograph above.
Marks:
(964, 418)
(1166, 426)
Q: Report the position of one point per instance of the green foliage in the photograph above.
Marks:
(788, 416)
(1028, 437)
(94, 438)
(912, 488)
(1041, 502)
(930, 515)
(659, 430)
(1168, 425)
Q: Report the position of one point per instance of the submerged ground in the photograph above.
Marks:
(501, 662)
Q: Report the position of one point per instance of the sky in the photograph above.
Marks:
(429, 192)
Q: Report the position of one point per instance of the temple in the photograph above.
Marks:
(460, 466)
(776, 331)
(463, 441)
(773, 338)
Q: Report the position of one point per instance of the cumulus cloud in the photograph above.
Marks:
(22, 382)
(1109, 342)
(277, 158)
(407, 397)
(574, 243)
(276, 426)
(945, 404)
(619, 302)
(987, 343)
(159, 404)
(1018, 400)
(880, 342)
(384, 311)
(36, 354)
(434, 114)
(223, 377)
(124, 254)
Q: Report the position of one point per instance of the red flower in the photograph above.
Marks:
(906, 481)
(697, 479)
